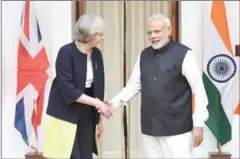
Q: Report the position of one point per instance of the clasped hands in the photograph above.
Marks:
(106, 108)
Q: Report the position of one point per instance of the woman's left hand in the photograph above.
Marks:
(100, 128)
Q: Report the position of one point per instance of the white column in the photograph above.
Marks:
(13, 145)
(62, 27)
(56, 24)
(60, 32)
(191, 35)
(191, 26)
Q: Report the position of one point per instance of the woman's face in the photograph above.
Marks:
(97, 39)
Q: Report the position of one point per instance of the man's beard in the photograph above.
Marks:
(160, 45)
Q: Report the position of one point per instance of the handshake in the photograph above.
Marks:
(106, 108)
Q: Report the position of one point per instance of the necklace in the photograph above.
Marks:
(79, 48)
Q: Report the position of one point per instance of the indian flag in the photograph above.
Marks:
(219, 77)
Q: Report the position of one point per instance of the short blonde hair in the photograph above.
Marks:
(87, 26)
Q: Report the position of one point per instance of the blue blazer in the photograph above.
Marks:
(69, 83)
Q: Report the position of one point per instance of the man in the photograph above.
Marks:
(167, 75)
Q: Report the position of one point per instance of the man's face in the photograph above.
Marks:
(158, 34)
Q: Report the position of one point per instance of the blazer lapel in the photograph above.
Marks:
(94, 65)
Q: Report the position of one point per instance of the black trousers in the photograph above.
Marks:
(85, 144)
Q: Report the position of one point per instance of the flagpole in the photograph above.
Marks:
(219, 149)
(35, 107)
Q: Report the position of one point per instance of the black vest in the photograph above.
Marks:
(165, 95)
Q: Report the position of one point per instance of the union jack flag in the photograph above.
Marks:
(31, 77)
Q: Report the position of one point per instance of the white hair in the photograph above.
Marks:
(164, 18)
(87, 26)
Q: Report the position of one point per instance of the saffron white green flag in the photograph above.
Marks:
(220, 69)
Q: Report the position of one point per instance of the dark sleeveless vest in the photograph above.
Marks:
(165, 95)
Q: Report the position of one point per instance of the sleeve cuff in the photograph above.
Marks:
(198, 123)
(74, 97)
(115, 102)
(118, 103)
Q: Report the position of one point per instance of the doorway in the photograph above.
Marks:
(124, 38)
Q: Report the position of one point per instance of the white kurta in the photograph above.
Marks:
(156, 147)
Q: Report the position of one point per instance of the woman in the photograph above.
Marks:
(76, 94)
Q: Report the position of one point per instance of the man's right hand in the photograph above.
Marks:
(111, 107)
(105, 108)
